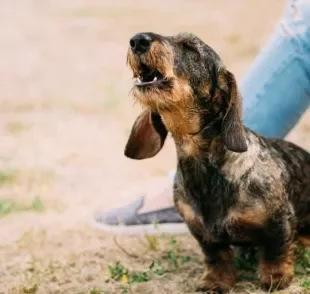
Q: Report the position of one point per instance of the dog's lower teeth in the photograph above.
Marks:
(142, 80)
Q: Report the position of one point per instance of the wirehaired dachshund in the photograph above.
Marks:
(233, 187)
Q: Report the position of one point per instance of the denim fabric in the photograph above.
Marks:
(276, 90)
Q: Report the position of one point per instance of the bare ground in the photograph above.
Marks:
(65, 115)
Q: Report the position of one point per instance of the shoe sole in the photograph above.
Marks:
(150, 229)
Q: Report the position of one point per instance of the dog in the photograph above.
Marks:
(233, 187)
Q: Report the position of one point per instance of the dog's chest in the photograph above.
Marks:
(205, 188)
(238, 227)
(222, 210)
(244, 225)
(213, 207)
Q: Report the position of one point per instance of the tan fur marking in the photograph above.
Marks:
(304, 241)
(190, 147)
(132, 62)
(205, 88)
(194, 221)
(249, 217)
(175, 108)
(277, 276)
(181, 124)
(186, 211)
(220, 277)
(160, 56)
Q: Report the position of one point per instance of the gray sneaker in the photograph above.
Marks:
(127, 220)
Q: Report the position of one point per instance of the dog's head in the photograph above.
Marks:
(185, 89)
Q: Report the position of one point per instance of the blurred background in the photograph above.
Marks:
(65, 114)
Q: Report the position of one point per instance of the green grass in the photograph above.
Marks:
(9, 206)
(16, 127)
(97, 291)
(8, 177)
(117, 271)
(302, 264)
(305, 283)
(30, 289)
(170, 262)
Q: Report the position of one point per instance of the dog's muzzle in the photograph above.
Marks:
(140, 44)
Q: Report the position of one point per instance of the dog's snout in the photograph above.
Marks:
(140, 43)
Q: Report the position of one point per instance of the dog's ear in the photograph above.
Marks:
(232, 129)
(147, 137)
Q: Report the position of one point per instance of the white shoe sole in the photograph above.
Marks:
(150, 229)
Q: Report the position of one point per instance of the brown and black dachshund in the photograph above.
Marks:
(233, 187)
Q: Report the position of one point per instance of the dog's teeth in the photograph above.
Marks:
(139, 80)
(155, 79)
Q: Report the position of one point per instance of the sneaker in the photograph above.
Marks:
(127, 220)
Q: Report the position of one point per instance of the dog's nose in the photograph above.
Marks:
(140, 43)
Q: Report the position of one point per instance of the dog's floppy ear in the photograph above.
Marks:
(147, 137)
(232, 128)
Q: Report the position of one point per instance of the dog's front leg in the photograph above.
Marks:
(219, 275)
(278, 253)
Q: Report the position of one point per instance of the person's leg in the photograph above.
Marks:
(276, 92)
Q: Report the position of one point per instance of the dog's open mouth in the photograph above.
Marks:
(148, 77)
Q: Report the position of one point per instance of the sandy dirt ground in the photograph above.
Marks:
(65, 113)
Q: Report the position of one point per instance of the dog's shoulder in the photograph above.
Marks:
(291, 155)
(255, 162)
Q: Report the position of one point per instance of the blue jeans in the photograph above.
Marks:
(276, 90)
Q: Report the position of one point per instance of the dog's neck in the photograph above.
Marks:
(191, 137)
(202, 148)
(180, 123)
(203, 142)
(210, 152)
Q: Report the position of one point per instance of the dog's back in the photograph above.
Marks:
(296, 177)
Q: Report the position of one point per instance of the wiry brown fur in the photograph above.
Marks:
(221, 276)
(232, 186)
